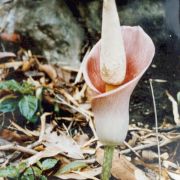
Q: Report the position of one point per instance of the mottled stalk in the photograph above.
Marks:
(107, 162)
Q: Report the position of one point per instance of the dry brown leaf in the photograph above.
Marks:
(68, 97)
(27, 64)
(66, 75)
(14, 136)
(63, 75)
(90, 151)
(49, 70)
(15, 65)
(80, 94)
(35, 83)
(84, 112)
(164, 156)
(91, 141)
(20, 129)
(56, 144)
(168, 164)
(81, 139)
(149, 155)
(133, 140)
(121, 167)
(39, 148)
(47, 152)
(149, 140)
(43, 126)
(174, 176)
(85, 106)
(70, 176)
(63, 144)
(85, 174)
(70, 69)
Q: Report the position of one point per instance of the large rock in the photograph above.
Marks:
(91, 13)
(149, 14)
(50, 28)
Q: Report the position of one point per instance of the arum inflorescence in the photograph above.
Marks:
(112, 70)
(111, 109)
(112, 54)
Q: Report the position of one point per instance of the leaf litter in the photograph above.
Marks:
(52, 132)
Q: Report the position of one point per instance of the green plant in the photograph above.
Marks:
(20, 96)
(24, 172)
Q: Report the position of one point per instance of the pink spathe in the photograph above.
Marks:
(111, 109)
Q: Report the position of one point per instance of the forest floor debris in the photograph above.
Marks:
(47, 128)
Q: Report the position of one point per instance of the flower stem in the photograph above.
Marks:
(107, 163)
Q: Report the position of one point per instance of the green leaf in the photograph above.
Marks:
(10, 171)
(73, 166)
(42, 178)
(48, 164)
(28, 177)
(8, 104)
(14, 86)
(27, 88)
(178, 97)
(33, 171)
(31, 177)
(10, 85)
(28, 106)
(34, 119)
(22, 166)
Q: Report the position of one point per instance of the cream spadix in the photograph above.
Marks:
(112, 55)
(111, 109)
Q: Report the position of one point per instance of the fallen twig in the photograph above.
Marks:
(174, 108)
(43, 126)
(16, 147)
(131, 148)
(164, 142)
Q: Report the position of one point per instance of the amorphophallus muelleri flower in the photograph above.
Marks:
(112, 69)
(111, 109)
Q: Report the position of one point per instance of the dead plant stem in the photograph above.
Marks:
(156, 128)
